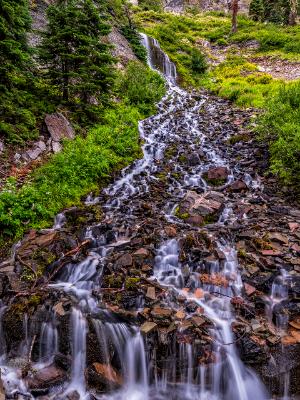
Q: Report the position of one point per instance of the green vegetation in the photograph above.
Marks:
(236, 77)
(84, 162)
(280, 125)
(17, 104)
(78, 64)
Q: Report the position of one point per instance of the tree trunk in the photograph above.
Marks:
(293, 12)
(234, 10)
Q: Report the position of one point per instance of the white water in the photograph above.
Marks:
(224, 379)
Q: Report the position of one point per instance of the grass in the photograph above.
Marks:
(236, 78)
(86, 163)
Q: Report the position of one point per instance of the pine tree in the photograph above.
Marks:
(78, 62)
(256, 10)
(16, 121)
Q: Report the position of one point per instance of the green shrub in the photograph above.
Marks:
(198, 61)
(141, 86)
(134, 39)
(280, 125)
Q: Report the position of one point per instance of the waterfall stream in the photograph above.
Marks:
(136, 375)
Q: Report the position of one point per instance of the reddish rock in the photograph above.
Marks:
(46, 377)
(171, 231)
(142, 253)
(271, 253)
(195, 220)
(249, 289)
(217, 173)
(107, 374)
(161, 313)
(238, 186)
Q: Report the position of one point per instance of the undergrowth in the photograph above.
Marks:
(86, 162)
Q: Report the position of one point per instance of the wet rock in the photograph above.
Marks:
(193, 159)
(203, 205)
(238, 186)
(278, 237)
(103, 376)
(125, 260)
(148, 327)
(34, 153)
(161, 313)
(59, 127)
(74, 395)
(195, 220)
(46, 377)
(216, 176)
(151, 293)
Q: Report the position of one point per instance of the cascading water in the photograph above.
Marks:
(134, 369)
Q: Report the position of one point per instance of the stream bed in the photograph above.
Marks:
(180, 281)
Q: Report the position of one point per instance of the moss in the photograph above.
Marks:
(162, 176)
(210, 219)
(242, 253)
(170, 151)
(113, 281)
(182, 158)
(214, 182)
(181, 215)
(238, 138)
(132, 283)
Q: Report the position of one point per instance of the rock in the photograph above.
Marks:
(216, 176)
(271, 253)
(151, 293)
(199, 293)
(148, 327)
(141, 253)
(2, 390)
(1, 146)
(46, 377)
(34, 154)
(122, 49)
(295, 323)
(74, 395)
(59, 127)
(56, 147)
(278, 237)
(195, 220)
(170, 231)
(193, 203)
(249, 289)
(193, 159)
(293, 226)
(59, 309)
(107, 375)
(41, 145)
(180, 314)
(198, 321)
(125, 260)
(161, 313)
(238, 186)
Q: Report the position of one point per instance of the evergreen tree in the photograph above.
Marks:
(256, 10)
(17, 122)
(78, 62)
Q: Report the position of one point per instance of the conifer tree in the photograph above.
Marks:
(77, 60)
(256, 10)
(16, 121)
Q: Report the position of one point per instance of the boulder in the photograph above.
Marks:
(46, 377)
(238, 186)
(103, 376)
(202, 205)
(217, 175)
(125, 260)
(59, 127)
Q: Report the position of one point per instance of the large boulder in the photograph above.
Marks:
(59, 127)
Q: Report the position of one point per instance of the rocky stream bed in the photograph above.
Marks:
(180, 281)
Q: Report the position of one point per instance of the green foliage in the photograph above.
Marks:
(141, 86)
(17, 119)
(198, 61)
(72, 173)
(78, 64)
(134, 40)
(257, 10)
(86, 162)
(151, 5)
(280, 125)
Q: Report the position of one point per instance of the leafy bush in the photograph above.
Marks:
(198, 61)
(280, 125)
(141, 86)
(72, 173)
